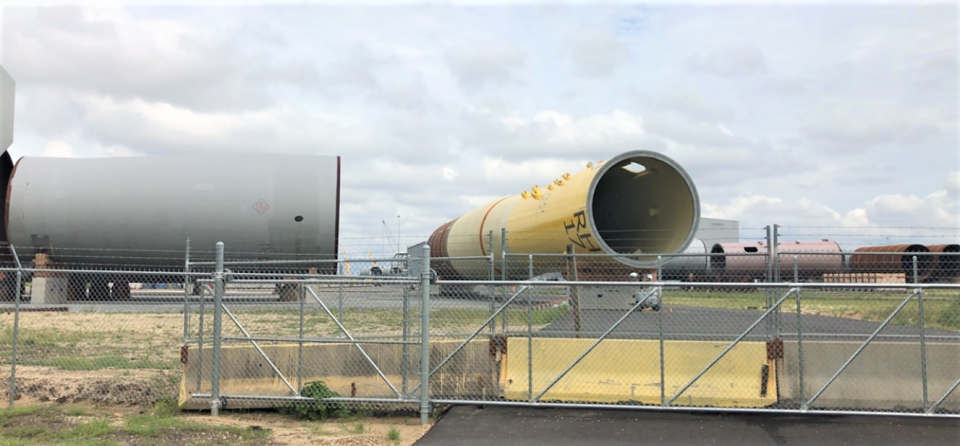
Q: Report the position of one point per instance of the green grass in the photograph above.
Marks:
(394, 435)
(46, 424)
(76, 363)
(77, 411)
(318, 430)
(357, 428)
(941, 309)
(39, 337)
(6, 414)
(94, 428)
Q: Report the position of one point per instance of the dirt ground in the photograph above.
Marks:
(126, 393)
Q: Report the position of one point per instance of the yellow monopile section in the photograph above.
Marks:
(637, 202)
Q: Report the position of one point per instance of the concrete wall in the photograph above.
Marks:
(886, 375)
(472, 373)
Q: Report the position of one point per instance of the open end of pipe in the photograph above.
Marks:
(924, 263)
(643, 203)
(718, 263)
(950, 265)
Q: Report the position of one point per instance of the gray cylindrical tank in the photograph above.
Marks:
(130, 210)
(678, 268)
(814, 258)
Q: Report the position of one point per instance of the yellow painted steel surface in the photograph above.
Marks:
(637, 204)
(546, 224)
(628, 370)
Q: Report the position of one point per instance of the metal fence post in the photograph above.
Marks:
(663, 384)
(425, 336)
(186, 293)
(796, 280)
(493, 276)
(201, 316)
(530, 331)
(769, 278)
(16, 328)
(503, 253)
(340, 303)
(775, 248)
(503, 273)
(217, 321)
(493, 309)
(574, 292)
(923, 338)
(405, 353)
(493, 267)
(303, 299)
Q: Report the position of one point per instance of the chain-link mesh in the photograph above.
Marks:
(756, 325)
(91, 328)
(291, 336)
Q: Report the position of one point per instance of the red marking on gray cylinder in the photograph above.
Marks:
(261, 206)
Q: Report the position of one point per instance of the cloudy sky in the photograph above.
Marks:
(840, 117)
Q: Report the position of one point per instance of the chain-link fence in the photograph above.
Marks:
(763, 325)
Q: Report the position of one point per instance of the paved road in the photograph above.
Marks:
(469, 425)
(718, 324)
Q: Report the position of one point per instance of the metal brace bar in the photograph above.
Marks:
(350, 337)
(733, 344)
(257, 346)
(321, 340)
(936, 405)
(616, 324)
(857, 353)
(474, 334)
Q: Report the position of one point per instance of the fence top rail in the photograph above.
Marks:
(859, 253)
(804, 285)
(306, 261)
(467, 257)
(278, 262)
(133, 270)
(760, 253)
(331, 280)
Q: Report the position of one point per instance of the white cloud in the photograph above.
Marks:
(738, 60)
(939, 209)
(449, 173)
(691, 105)
(596, 53)
(864, 128)
(59, 149)
(480, 63)
(114, 151)
(154, 127)
(529, 172)
(811, 115)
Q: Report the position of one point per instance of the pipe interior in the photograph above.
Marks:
(718, 263)
(6, 168)
(643, 205)
(950, 264)
(923, 262)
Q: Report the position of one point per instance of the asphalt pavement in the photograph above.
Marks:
(500, 426)
(702, 323)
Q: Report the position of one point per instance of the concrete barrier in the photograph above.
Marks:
(628, 370)
(340, 366)
(886, 375)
